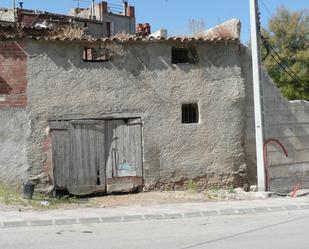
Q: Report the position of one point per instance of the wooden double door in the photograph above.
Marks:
(91, 156)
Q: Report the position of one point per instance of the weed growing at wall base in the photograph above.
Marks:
(192, 185)
(11, 197)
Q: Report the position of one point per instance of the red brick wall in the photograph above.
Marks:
(30, 20)
(13, 75)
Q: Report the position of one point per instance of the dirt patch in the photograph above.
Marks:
(147, 199)
(170, 197)
(110, 201)
(142, 199)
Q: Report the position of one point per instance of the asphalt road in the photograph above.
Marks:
(282, 230)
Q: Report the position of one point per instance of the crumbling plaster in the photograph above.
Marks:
(14, 133)
(141, 79)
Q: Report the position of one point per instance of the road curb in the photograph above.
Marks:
(156, 216)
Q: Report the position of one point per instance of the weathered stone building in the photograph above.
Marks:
(112, 115)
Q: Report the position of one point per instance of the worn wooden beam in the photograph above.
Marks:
(68, 117)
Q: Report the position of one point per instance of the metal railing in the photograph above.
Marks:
(112, 8)
(115, 8)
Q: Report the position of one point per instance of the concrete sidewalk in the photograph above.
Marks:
(140, 213)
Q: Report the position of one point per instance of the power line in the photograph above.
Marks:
(270, 50)
(284, 67)
(279, 57)
(267, 9)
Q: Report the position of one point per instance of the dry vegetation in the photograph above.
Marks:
(69, 32)
(123, 36)
(218, 32)
(12, 200)
(118, 49)
(79, 33)
(198, 30)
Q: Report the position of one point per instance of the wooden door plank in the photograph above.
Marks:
(121, 146)
(100, 155)
(109, 134)
(114, 144)
(138, 150)
(124, 146)
(60, 156)
(132, 145)
(87, 147)
(73, 177)
(124, 139)
(79, 155)
(91, 171)
(84, 156)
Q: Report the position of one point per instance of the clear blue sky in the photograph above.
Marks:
(175, 14)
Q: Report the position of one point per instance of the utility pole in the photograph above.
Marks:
(14, 10)
(257, 89)
(93, 16)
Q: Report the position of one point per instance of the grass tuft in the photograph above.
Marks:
(11, 197)
(192, 185)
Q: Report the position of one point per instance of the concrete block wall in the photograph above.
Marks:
(286, 121)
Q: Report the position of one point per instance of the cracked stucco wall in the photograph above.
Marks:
(14, 120)
(141, 79)
(14, 132)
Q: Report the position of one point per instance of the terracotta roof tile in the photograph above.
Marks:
(8, 31)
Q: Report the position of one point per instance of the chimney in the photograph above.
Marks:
(125, 7)
(147, 28)
(143, 29)
(103, 8)
(139, 29)
(131, 11)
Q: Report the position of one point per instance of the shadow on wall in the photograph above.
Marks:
(138, 57)
(286, 121)
(5, 88)
(143, 65)
(13, 50)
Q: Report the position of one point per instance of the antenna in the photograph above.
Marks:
(79, 1)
